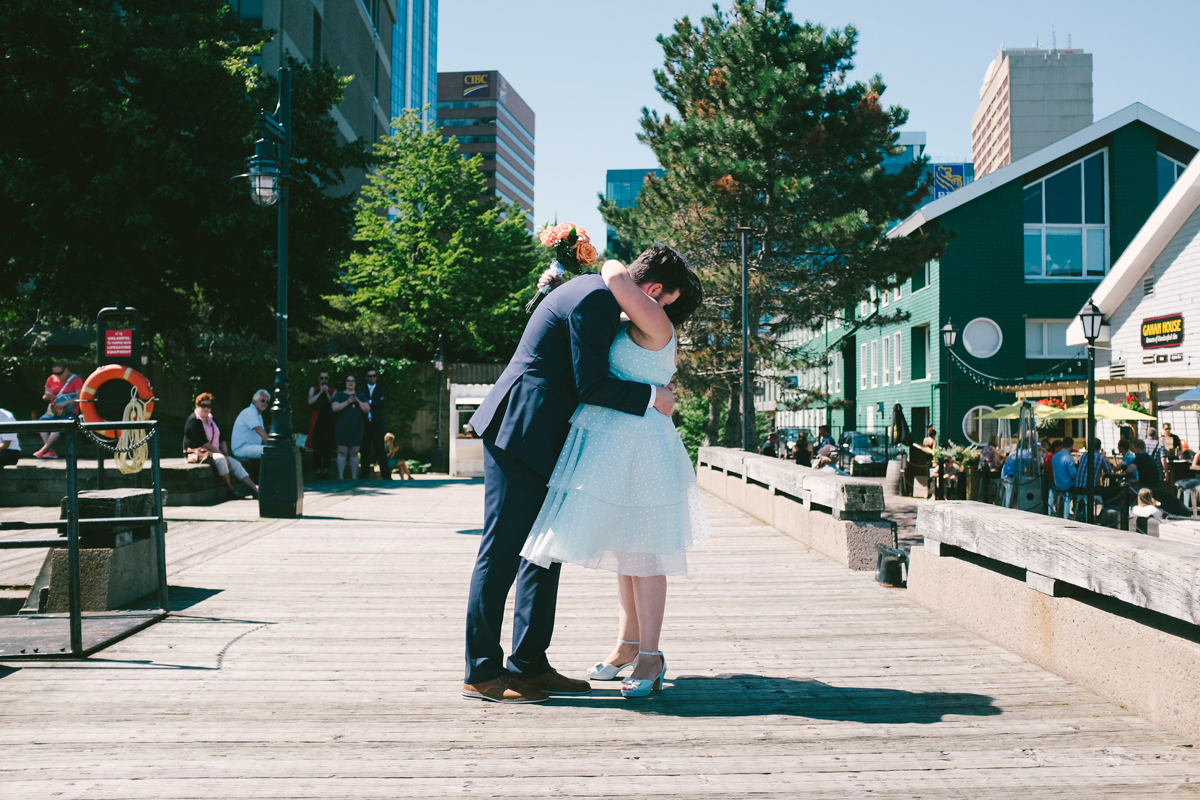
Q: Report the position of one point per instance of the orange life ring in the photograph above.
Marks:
(113, 372)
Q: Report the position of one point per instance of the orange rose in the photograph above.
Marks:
(586, 253)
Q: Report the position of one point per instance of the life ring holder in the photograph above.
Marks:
(113, 372)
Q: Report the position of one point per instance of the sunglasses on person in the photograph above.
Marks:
(370, 375)
(206, 405)
(323, 379)
(56, 372)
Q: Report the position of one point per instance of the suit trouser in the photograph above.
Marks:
(513, 495)
(376, 432)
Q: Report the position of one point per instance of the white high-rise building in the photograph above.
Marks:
(1029, 99)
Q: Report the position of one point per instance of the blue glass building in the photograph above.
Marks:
(414, 57)
(622, 186)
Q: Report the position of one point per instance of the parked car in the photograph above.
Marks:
(863, 454)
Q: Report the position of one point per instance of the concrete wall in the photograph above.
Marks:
(836, 516)
(1113, 612)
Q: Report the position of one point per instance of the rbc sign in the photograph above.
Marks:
(947, 178)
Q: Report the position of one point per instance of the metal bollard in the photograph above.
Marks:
(890, 566)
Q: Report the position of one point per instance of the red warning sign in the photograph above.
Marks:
(118, 343)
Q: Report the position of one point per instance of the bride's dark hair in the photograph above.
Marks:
(691, 295)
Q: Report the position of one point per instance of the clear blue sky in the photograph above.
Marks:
(585, 68)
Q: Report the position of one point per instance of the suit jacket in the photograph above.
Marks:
(561, 361)
(378, 402)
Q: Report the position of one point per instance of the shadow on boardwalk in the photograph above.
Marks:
(739, 695)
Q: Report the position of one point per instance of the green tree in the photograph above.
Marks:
(435, 256)
(115, 183)
(769, 133)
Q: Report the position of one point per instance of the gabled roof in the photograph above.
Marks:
(1031, 162)
(1175, 209)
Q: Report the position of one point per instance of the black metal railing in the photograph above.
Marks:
(71, 430)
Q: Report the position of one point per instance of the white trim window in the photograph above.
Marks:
(896, 361)
(837, 372)
(1066, 222)
(1169, 171)
(886, 348)
(1047, 338)
(862, 366)
(875, 364)
(976, 429)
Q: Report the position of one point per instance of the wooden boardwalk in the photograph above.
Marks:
(322, 658)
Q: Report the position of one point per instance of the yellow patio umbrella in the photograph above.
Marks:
(1104, 410)
(1040, 411)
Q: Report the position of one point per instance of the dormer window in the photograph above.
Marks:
(1066, 222)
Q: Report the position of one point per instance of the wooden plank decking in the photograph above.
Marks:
(322, 658)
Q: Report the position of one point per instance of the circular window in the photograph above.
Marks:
(978, 430)
(982, 337)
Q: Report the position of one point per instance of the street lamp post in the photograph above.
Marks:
(1092, 321)
(281, 474)
(749, 429)
(949, 337)
(439, 365)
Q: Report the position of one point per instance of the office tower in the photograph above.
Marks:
(414, 57)
(1029, 99)
(622, 187)
(490, 119)
(355, 36)
(947, 175)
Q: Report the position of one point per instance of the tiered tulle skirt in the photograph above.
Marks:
(622, 498)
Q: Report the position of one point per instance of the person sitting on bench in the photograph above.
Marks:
(249, 435)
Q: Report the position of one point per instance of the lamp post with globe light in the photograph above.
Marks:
(949, 338)
(281, 476)
(1092, 321)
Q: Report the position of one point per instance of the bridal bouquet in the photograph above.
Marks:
(573, 250)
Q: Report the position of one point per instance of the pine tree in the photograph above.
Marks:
(435, 257)
(768, 132)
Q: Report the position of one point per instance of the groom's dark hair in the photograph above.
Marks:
(660, 264)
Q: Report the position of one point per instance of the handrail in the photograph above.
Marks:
(71, 429)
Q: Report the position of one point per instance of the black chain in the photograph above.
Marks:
(110, 448)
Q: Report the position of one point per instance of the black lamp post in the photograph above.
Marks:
(439, 365)
(749, 429)
(1092, 321)
(281, 474)
(949, 337)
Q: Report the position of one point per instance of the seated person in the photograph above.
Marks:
(1149, 471)
(249, 435)
(395, 461)
(1127, 465)
(202, 443)
(1146, 506)
(771, 448)
(64, 405)
(10, 445)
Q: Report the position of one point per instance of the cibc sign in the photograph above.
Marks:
(1164, 331)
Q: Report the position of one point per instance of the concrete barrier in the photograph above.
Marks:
(838, 516)
(1113, 611)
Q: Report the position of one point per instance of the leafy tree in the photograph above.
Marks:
(769, 133)
(115, 182)
(436, 256)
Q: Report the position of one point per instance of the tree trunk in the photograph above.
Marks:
(712, 436)
(733, 420)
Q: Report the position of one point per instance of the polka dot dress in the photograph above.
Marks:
(623, 494)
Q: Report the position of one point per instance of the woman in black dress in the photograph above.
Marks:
(351, 407)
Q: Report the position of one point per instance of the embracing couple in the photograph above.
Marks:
(582, 464)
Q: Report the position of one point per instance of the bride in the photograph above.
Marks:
(623, 494)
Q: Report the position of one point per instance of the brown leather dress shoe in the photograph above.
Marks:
(553, 683)
(505, 689)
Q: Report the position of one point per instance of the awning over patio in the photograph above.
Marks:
(1146, 389)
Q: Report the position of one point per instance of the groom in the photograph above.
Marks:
(561, 361)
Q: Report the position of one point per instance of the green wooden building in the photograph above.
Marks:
(1032, 241)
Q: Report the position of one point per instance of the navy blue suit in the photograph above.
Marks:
(561, 361)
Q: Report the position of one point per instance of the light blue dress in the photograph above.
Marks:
(623, 494)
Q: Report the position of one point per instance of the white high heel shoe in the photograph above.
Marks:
(600, 671)
(637, 687)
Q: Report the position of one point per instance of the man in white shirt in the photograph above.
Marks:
(249, 435)
(10, 445)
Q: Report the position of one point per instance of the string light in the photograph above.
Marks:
(994, 382)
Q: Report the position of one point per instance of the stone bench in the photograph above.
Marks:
(1114, 611)
(838, 516)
